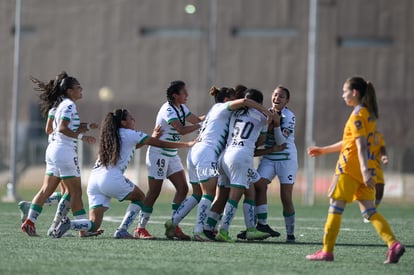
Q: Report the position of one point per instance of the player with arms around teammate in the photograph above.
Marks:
(62, 158)
(164, 162)
(355, 171)
(283, 164)
(118, 141)
(247, 130)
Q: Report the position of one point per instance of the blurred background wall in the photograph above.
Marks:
(134, 48)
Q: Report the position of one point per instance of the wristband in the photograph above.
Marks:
(80, 136)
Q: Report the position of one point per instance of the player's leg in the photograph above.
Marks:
(286, 197)
(154, 190)
(50, 184)
(180, 205)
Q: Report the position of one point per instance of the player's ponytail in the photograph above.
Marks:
(52, 92)
(221, 94)
(109, 140)
(369, 100)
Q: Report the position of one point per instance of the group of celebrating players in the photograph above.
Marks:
(220, 165)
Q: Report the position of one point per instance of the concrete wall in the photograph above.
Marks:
(137, 47)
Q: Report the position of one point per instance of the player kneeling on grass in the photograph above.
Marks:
(117, 144)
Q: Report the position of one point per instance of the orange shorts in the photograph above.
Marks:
(346, 188)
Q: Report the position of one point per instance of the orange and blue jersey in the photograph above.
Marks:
(360, 124)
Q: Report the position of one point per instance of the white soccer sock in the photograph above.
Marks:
(202, 212)
(62, 209)
(229, 213)
(261, 213)
(248, 211)
(130, 215)
(53, 199)
(185, 208)
(34, 212)
(81, 225)
(289, 223)
(144, 216)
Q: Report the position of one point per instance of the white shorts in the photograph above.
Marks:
(62, 162)
(161, 167)
(106, 184)
(202, 163)
(285, 170)
(239, 169)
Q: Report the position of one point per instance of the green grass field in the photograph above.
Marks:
(359, 250)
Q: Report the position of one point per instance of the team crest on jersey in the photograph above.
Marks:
(358, 124)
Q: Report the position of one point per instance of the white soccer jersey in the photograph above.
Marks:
(215, 127)
(244, 130)
(287, 126)
(165, 116)
(66, 111)
(51, 115)
(128, 139)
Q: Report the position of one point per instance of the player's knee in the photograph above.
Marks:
(335, 209)
(367, 214)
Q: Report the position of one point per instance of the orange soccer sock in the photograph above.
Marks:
(332, 226)
(383, 228)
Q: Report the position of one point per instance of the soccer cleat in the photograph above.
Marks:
(29, 228)
(210, 234)
(321, 256)
(267, 229)
(366, 220)
(169, 229)
(51, 229)
(223, 236)
(290, 238)
(242, 235)
(200, 237)
(254, 234)
(179, 234)
(394, 253)
(61, 228)
(143, 234)
(86, 234)
(122, 234)
(24, 207)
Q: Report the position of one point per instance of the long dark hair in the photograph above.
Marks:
(109, 140)
(53, 92)
(367, 93)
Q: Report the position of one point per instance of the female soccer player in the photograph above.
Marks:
(355, 171)
(165, 163)
(61, 153)
(283, 164)
(118, 141)
(247, 130)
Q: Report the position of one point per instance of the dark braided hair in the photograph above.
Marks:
(109, 140)
(53, 92)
